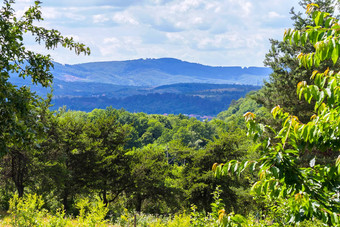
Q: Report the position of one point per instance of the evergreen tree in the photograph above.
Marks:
(287, 73)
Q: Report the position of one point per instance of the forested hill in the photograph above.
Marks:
(190, 98)
(154, 86)
(156, 72)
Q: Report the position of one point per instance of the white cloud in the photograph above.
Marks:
(51, 13)
(123, 44)
(216, 32)
(273, 15)
(186, 5)
(124, 18)
(100, 18)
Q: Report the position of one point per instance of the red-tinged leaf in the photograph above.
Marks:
(214, 166)
(249, 116)
(313, 74)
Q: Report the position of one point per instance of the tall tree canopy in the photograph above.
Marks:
(18, 105)
(282, 58)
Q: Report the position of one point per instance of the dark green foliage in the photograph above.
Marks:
(287, 73)
(199, 181)
(233, 116)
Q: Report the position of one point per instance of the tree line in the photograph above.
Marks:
(158, 164)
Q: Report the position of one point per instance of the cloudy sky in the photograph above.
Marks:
(211, 32)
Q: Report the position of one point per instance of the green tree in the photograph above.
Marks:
(198, 179)
(110, 168)
(282, 59)
(150, 169)
(17, 105)
(299, 191)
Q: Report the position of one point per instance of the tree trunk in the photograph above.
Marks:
(20, 189)
(65, 201)
(18, 170)
(139, 203)
(105, 198)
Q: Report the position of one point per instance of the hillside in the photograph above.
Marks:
(151, 85)
(191, 98)
(156, 72)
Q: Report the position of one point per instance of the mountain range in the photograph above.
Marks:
(165, 85)
(156, 72)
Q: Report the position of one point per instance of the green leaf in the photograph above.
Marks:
(275, 171)
(239, 219)
(334, 219)
(321, 97)
(319, 18)
(235, 167)
(328, 22)
(337, 162)
(296, 37)
(315, 14)
(252, 167)
(335, 53)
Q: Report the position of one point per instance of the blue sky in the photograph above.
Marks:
(211, 32)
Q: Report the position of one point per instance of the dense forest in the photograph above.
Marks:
(186, 98)
(196, 99)
(278, 167)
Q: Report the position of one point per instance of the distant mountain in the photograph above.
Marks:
(159, 86)
(156, 72)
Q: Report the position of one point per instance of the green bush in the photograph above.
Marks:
(27, 211)
(91, 213)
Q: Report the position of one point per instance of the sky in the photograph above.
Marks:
(209, 32)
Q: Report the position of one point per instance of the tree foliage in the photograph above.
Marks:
(282, 58)
(18, 105)
(306, 192)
